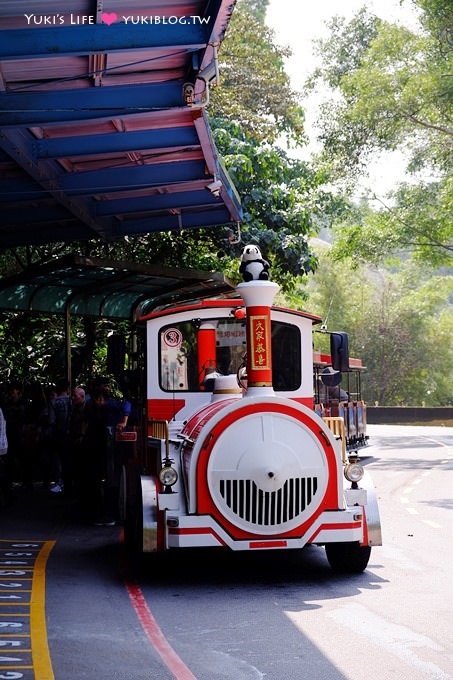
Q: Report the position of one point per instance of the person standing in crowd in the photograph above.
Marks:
(117, 415)
(105, 417)
(59, 411)
(45, 437)
(94, 459)
(76, 435)
(31, 455)
(5, 483)
(117, 410)
(14, 413)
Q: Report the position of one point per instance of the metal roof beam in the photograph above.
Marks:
(215, 165)
(17, 144)
(54, 41)
(206, 218)
(35, 214)
(19, 189)
(44, 107)
(136, 177)
(81, 145)
(183, 199)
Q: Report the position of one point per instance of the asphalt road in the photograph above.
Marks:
(210, 615)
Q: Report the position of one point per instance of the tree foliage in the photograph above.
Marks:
(393, 90)
(284, 202)
(410, 357)
(344, 51)
(34, 347)
(257, 8)
(399, 323)
(255, 90)
(416, 223)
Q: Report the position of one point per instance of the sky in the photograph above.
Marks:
(297, 23)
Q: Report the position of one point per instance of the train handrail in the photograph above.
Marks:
(336, 425)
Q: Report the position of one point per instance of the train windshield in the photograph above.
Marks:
(192, 351)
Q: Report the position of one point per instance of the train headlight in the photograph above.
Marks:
(354, 472)
(168, 476)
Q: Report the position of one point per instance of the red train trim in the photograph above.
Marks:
(164, 409)
(334, 527)
(196, 531)
(365, 528)
(268, 544)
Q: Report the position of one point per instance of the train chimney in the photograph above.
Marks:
(258, 297)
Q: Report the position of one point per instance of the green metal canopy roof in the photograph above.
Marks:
(105, 289)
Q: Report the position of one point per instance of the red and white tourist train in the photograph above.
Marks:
(249, 445)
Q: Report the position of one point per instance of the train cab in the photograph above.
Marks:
(197, 344)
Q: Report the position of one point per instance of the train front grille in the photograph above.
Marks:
(268, 508)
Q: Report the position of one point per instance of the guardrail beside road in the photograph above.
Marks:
(391, 415)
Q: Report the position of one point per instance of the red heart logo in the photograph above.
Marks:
(109, 18)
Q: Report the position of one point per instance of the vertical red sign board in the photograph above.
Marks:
(259, 367)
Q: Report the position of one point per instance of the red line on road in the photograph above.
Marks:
(153, 632)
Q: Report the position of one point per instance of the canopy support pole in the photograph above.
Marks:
(67, 330)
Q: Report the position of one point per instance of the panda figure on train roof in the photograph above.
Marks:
(253, 267)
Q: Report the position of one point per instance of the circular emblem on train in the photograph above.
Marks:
(268, 473)
(172, 337)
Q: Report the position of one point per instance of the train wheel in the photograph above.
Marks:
(348, 558)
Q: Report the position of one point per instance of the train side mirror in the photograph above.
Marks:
(339, 351)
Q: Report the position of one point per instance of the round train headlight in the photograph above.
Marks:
(168, 476)
(354, 472)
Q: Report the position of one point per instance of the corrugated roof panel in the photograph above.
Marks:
(93, 110)
(104, 289)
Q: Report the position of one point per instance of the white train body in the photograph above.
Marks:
(253, 467)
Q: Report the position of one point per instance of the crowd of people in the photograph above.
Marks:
(64, 440)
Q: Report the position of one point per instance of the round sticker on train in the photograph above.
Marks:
(172, 337)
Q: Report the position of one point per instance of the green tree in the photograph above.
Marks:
(255, 89)
(409, 361)
(415, 222)
(256, 8)
(340, 295)
(284, 202)
(399, 323)
(393, 90)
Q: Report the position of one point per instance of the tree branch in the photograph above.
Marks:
(430, 126)
(428, 242)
